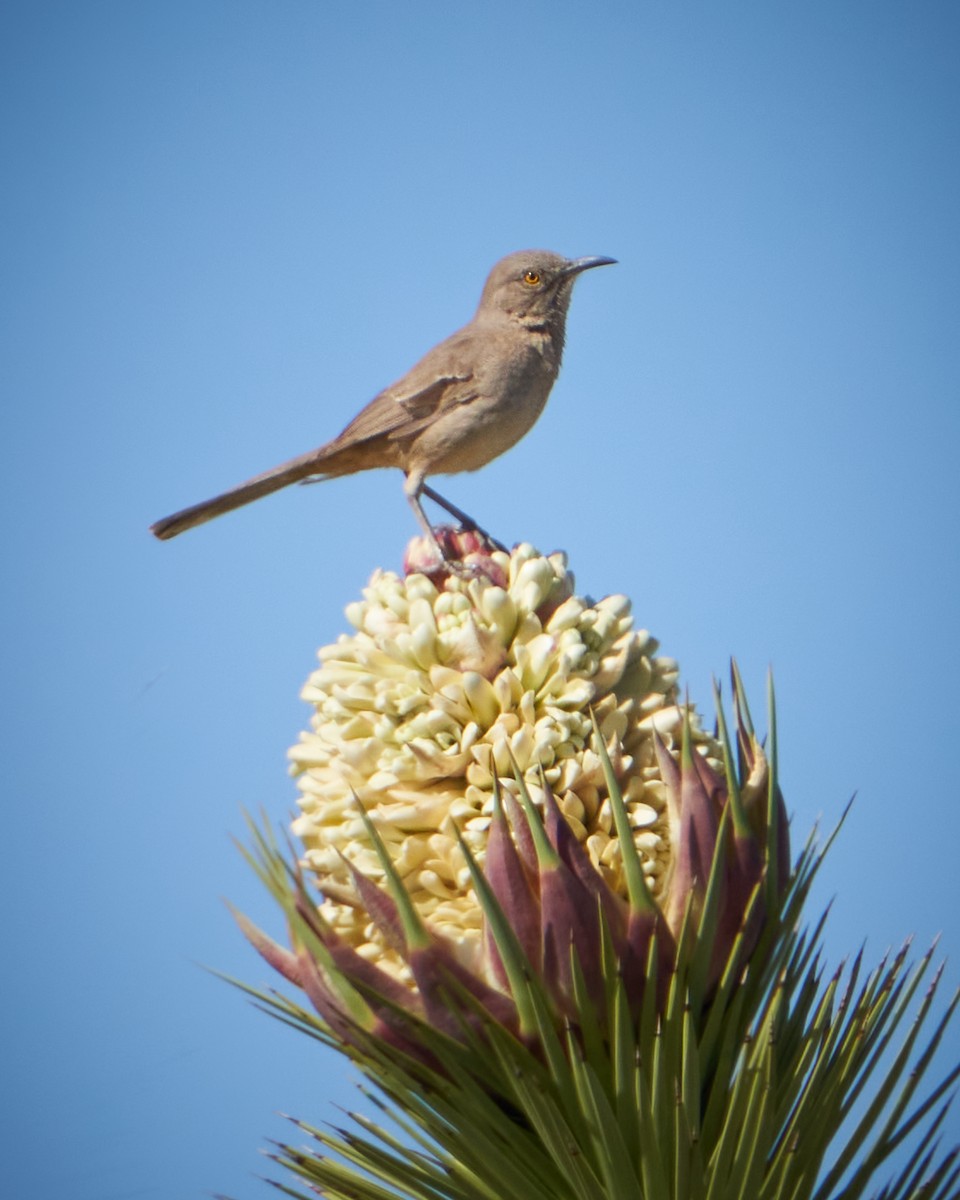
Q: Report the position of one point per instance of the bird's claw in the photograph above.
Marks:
(450, 550)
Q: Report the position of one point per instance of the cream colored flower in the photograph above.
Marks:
(439, 689)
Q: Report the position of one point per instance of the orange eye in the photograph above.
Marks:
(532, 278)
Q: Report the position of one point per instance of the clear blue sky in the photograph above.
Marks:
(226, 225)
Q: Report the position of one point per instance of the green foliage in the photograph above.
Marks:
(731, 1086)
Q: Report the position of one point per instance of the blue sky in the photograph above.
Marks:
(227, 225)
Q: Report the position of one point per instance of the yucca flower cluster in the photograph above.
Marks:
(441, 692)
(553, 918)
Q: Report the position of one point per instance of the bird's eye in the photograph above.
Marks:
(532, 278)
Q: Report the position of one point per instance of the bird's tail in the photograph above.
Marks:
(294, 471)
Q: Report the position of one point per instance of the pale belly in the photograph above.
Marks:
(473, 434)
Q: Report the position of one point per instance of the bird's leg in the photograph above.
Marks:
(413, 485)
(458, 514)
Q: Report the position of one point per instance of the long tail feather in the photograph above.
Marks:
(260, 485)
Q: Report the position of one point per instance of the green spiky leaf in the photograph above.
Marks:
(759, 1078)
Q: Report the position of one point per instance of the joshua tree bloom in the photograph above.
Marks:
(441, 690)
(553, 917)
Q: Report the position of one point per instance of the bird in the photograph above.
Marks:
(468, 400)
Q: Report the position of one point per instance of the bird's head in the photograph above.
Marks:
(534, 286)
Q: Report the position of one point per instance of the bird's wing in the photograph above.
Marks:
(433, 386)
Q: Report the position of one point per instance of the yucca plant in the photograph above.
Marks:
(555, 924)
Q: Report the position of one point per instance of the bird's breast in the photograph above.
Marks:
(510, 396)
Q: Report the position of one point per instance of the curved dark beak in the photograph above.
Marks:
(576, 265)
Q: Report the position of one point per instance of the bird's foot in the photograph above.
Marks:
(466, 553)
(467, 522)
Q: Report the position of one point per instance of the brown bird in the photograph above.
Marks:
(464, 403)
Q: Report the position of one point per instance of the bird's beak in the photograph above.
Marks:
(576, 265)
